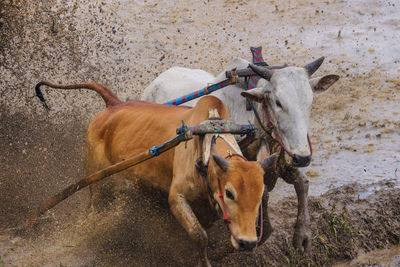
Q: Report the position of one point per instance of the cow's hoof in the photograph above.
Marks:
(302, 239)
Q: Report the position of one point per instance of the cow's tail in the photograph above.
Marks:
(109, 97)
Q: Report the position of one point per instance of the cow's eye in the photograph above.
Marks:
(278, 103)
(229, 194)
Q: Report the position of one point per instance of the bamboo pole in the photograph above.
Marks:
(118, 167)
(202, 92)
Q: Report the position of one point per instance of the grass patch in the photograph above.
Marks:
(2, 264)
(336, 238)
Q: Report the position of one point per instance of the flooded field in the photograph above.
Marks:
(355, 126)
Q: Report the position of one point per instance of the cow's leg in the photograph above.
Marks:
(267, 228)
(302, 232)
(101, 191)
(93, 190)
(184, 214)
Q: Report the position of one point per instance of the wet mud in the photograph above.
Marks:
(355, 127)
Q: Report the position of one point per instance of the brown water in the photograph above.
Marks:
(380, 257)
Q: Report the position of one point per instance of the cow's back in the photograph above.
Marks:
(176, 82)
(125, 130)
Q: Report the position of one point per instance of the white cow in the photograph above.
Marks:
(283, 101)
(176, 82)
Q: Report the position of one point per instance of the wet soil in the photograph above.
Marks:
(355, 127)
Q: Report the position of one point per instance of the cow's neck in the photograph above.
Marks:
(214, 172)
(262, 124)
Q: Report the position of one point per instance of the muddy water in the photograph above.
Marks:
(363, 157)
(364, 32)
(380, 257)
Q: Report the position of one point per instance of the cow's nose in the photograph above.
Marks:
(301, 161)
(246, 245)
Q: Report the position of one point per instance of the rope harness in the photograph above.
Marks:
(272, 128)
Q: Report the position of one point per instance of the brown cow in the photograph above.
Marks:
(125, 129)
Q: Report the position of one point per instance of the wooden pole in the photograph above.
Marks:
(202, 92)
(120, 166)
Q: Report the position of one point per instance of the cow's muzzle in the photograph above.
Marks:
(301, 161)
(247, 245)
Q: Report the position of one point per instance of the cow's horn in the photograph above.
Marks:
(313, 66)
(262, 72)
(221, 162)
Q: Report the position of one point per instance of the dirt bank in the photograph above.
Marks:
(125, 44)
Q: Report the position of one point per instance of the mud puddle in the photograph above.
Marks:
(380, 257)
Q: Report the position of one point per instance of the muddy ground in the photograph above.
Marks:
(354, 185)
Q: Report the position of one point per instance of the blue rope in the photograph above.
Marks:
(181, 131)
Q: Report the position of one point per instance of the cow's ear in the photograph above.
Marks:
(321, 84)
(256, 94)
(269, 163)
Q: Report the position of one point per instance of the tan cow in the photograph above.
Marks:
(125, 129)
